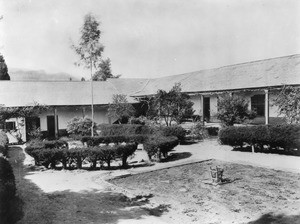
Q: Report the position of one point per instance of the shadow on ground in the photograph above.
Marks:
(270, 151)
(72, 207)
(271, 218)
(177, 156)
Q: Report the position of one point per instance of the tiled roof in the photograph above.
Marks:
(14, 93)
(264, 73)
(257, 74)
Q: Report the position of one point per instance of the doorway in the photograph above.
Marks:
(51, 125)
(206, 108)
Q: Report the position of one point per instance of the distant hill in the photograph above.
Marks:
(38, 75)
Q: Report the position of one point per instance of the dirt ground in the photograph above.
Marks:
(75, 205)
(256, 195)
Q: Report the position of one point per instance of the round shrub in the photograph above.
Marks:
(159, 145)
(80, 126)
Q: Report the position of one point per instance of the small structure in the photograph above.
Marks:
(216, 175)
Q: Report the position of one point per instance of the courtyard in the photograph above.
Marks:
(173, 191)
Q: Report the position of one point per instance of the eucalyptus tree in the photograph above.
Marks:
(89, 50)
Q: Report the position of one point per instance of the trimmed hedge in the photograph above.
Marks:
(52, 156)
(7, 184)
(124, 129)
(160, 145)
(95, 141)
(272, 136)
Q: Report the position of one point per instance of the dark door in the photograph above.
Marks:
(206, 108)
(51, 126)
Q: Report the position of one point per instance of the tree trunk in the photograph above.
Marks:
(124, 161)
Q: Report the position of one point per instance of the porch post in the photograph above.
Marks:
(202, 108)
(266, 106)
(55, 123)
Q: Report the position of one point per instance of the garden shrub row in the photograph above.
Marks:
(7, 184)
(69, 157)
(95, 141)
(272, 136)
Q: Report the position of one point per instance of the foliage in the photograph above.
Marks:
(7, 190)
(80, 126)
(171, 106)
(104, 71)
(272, 137)
(23, 113)
(124, 129)
(137, 120)
(51, 156)
(233, 109)
(7, 184)
(95, 141)
(3, 69)
(198, 132)
(89, 48)
(174, 130)
(3, 143)
(120, 108)
(158, 145)
(288, 102)
(212, 131)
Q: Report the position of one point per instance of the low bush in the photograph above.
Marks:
(80, 126)
(198, 132)
(175, 130)
(262, 136)
(212, 131)
(158, 145)
(124, 129)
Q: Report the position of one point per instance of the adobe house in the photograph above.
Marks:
(65, 100)
(257, 81)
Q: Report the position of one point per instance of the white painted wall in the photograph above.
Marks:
(65, 114)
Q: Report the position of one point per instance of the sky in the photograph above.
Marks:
(146, 39)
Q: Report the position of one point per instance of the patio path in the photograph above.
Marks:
(211, 149)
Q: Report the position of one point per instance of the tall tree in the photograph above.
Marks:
(3, 69)
(90, 51)
(171, 106)
(104, 71)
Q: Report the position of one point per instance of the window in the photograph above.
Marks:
(258, 104)
(10, 125)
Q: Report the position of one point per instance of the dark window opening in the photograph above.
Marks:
(258, 104)
(10, 125)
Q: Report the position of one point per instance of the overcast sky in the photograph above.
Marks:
(150, 38)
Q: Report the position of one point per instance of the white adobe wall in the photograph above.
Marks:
(196, 99)
(65, 114)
